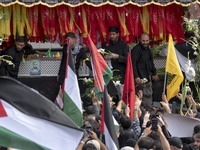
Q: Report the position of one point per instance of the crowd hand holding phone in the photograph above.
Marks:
(93, 135)
(148, 130)
(164, 142)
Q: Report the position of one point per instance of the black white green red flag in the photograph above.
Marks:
(101, 71)
(69, 97)
(107, 124)
(30, 121)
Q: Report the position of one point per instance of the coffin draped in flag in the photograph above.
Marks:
(108, 125)
(174, 74)
(101, 72)
(69, 97)
(30, 121)
(129, 86)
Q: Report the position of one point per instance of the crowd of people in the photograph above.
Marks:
(148, 128)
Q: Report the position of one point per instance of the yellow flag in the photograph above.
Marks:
(174, 74)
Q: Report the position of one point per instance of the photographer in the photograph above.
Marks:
(147, 142)
(92, 141)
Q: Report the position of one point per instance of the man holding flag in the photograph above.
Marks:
(61, 73)
(68, 98)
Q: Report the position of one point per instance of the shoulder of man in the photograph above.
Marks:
(122, 42)
(137, 47)
(104, 45)
(10, 50)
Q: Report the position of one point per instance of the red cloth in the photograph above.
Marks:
(129, 86)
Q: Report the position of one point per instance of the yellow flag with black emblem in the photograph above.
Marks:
(174, 74)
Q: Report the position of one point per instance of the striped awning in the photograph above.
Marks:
(97, 3)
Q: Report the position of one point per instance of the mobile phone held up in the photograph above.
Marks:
(88, 129)
(154, 124)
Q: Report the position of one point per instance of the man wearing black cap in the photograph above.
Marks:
(14, 54)
(175, 143)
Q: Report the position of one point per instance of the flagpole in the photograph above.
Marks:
(164, 82)
(127, 98)
(101, 136)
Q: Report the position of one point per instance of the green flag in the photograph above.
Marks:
(49, 53)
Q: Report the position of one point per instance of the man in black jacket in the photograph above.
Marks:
(15, 54)
(119, 51)
(78, 54)
(187, 49)
(143, 67)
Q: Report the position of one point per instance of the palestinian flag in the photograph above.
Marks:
(30, 121)
(107, 125)
(69, 97)
(101, 72)
(115, 124)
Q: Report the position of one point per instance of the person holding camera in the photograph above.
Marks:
(91, 142)
(149, 143)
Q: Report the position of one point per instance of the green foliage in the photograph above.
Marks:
(116, 78)
(156, 48)
(133, 44)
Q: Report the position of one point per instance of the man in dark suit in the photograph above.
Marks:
(143, 67)
(119, 51)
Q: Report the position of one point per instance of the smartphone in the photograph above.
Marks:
(154, 116)
(174, 107)
(154, 124)
(88, 129)
(188, 93)
(156, 104)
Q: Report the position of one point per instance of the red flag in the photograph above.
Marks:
(129, 86)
